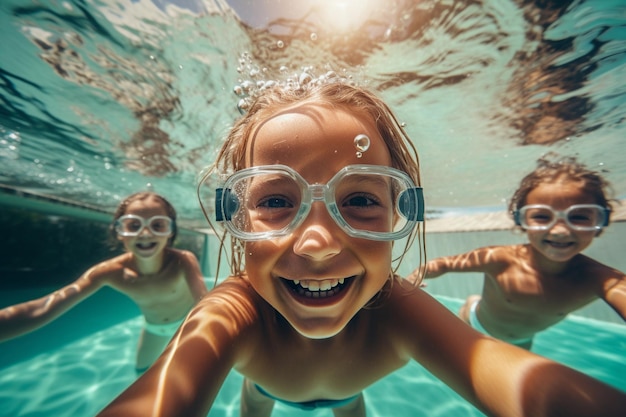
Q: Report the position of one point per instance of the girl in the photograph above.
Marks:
(164, 282)
(321, 180)
(561, 206)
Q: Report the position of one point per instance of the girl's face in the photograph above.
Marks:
(318, 277)
(560, 243)
(146, 244)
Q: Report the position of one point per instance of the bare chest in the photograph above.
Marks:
(325, 370)
(543, 294)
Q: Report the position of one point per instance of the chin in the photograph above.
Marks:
(318, 334)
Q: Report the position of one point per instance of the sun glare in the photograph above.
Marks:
(346, 15)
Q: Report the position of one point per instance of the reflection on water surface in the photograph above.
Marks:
(101, 98)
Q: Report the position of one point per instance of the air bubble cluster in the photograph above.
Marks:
(255, 80)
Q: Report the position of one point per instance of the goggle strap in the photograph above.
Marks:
(607, 215)
(411, 204)
(226, 203)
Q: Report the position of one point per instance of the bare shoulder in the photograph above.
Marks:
(107, 270)
(233, 297)
(600, 273)
(180, 256)
(503, 252)
(230, 312)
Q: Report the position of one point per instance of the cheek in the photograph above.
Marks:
(261, 256)
(377, 257)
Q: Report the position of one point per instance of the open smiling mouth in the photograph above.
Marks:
(318, 289)
(146, 245)
(559, 244)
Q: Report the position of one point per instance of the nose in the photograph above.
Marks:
(560, 227)
(145, 230)
(318, 233)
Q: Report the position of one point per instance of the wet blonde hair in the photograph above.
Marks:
(231, 157)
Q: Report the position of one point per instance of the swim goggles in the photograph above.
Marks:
(133, 225)
(581, 217)
(366, 201)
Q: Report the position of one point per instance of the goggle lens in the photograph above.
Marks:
(583, 217)
(132, 225)
(367, 201)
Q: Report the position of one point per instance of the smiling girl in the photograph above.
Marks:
(561, 206)
(165, 283)
(313, 312)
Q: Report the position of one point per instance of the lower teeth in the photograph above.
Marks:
(316, 294)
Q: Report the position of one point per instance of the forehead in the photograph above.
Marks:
(313, 136)
(561, 194)
(146, 207)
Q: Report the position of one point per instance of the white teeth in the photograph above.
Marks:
(315, 285)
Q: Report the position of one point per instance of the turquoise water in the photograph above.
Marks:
(100, 98)
(82, 376)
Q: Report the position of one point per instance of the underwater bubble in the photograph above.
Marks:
(283, 69)
(313, 37)
(280, 44)
(403, 124)
(243, 105)
(238, 90)
(247, 86)
(305, 78)
(361, 143)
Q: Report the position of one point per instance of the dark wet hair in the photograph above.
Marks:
(144, 195)
(551, 168)
(231, 157)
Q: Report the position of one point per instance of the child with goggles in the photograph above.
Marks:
(561, 206)
(165, 283)
(318, 184)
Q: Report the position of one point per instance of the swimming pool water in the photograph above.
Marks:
(81, 377)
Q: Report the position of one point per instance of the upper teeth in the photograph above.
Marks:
(314, 285)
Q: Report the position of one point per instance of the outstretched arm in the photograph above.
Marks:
(499, 378)
(614, 293)
(187, 377)
(25, 317)
(487, 260)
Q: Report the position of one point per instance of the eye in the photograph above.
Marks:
(581, 217)
(538, 216)
(361, 200)
(275, 202)
(133, 225)
(159, 225)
